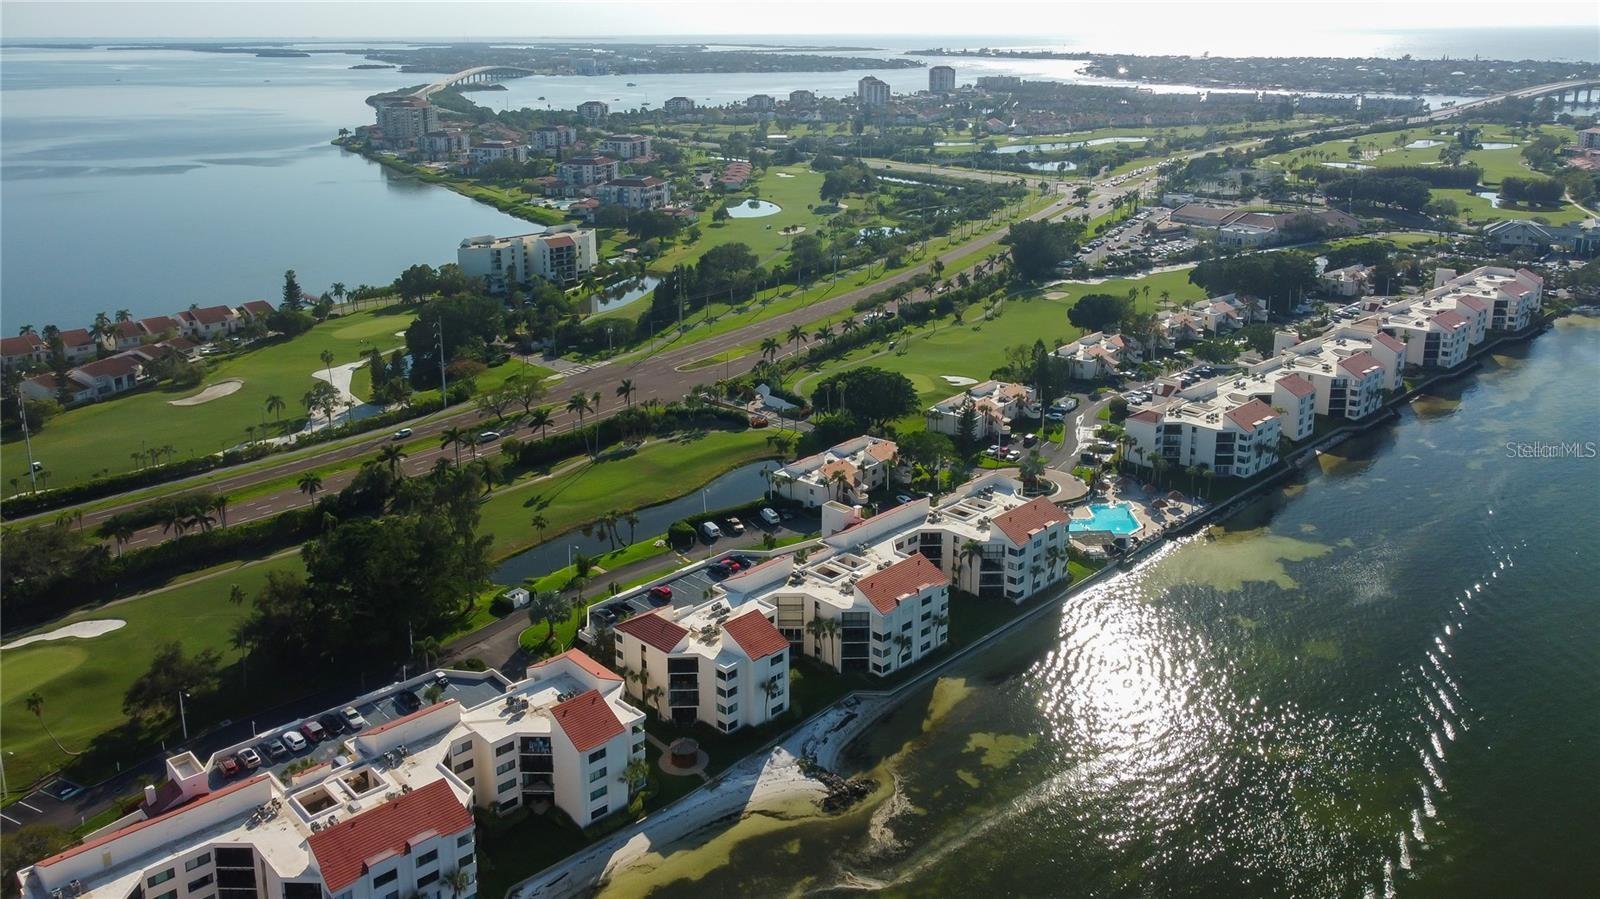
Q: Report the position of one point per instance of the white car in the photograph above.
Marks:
(352, 718)
(294, 741)
(769, 516)
(401, 434)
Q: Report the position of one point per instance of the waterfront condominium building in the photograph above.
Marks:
(404, 120)
(872, 92)
(647, 192)
(562, 255)
(761, 103)
(582, 171)
(1216, 424)
(1513, 295)
(675, 105)
(802, 99)
(443, 145)
(626, 146)
(593, 111)
(1352, 367)
(552, 137)
(380, 811)
(993, 404)
(941, 79)
(708, 662)
(489, 151)
(846, 473)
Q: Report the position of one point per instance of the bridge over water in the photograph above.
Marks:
(475, 75)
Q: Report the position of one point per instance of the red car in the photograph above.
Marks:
(661, 592)
(731, 564)
(230, 768)
(313, 732)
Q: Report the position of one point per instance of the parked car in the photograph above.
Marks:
(249, 758)
(903, 498)
(332, 723)
(742, 559)
(711, 531)
(401, 434)
(441, 679)
(313, 732)
(1030, 439)
(769, 516)
(1055, 416)
(407, 701)
(294, 741)
(352, 718)
(719, 570)
(274, 748)
(230, 767)
(730, 563)
(660, 594)
(736, 526)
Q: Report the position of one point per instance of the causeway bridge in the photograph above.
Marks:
(476, 75)
(1581, 92)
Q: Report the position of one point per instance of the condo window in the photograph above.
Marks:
(597, 793)
(464, 840)
(505, 748)
(199, 882)
(431, 855)
(504, 768)
(163, 877)
(596, 774)
(506, 785)
(385, 879)
(599, 755)
(203, 858)
(427, 878)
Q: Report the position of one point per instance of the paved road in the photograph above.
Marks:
(661, 375)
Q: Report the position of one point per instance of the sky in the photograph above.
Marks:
(1043, 21)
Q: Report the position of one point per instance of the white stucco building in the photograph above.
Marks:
(861, 464)
(993, 403)
(562, 255)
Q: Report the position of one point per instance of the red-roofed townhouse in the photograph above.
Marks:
(123, 336)
(79, 345)
(23, 350)
(209, 323)
(725, 666)
(408, 845)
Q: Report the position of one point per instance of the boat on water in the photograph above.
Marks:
(631, 84)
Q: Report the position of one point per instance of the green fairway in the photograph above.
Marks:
(101, 437)
(82, 681)
(976, 347)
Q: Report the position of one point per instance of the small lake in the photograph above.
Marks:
(1347, 165)
(1495, 146)
(1424, 144)
(1058, 166)
(615, 296)
(1069, 145)
(753, 209)
(741, 485)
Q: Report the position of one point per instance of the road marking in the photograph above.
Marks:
(27, 806)
(11, 819)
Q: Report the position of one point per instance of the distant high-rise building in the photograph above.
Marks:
(941, 79)
(678, 104)
(404, 120)
(873, 92)
(802, 98)
(593, 111)
(761, 103)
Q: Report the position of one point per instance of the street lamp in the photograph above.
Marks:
(183, 716)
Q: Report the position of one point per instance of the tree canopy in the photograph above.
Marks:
(1037, 247)
(870, 395)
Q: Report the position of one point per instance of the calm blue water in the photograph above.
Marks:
(149, 180)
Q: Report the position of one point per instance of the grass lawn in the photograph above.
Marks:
(82, 681)
(77, 444)
(1476, 209)
(610, 561)
(976, 347)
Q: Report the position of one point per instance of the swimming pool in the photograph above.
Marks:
(1115, 518)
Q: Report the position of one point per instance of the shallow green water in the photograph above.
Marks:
(1385, 680)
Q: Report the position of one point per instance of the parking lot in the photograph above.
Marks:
(468, 688)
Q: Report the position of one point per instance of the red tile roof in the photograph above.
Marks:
(1390, 341)
(76, 337)
(127, 329)
(157, 324)
(560, 240)
(882, 450)
(115, 835)
(1359, 364)
(654, 630)
(581, 659)
(1298, 385)
(1028, 519)
(210, 315)
(343, 850)
(21, 345)
(1450, 319)
(908, 577)
(1251, 414)
(403, 719)
(1472, 303)
(114, 367)
(756, 635)
(257, 307)
(1149, 416)
(587, 720)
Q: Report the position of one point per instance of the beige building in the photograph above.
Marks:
(405, 120)
(1514, 296)
(844, 473)
(994, 404)
(872, 92)
(563, 254)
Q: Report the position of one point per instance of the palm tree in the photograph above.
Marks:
(124, 315)
(275, 406)
(797, 336)
(219, 505)
(632, 520)
(771, 687)
(310, 483)
(540, 418)
(35, 703)
(120, 531)
(457, 880)
(579, 405)
(391, 456)
(338, 290)
(838, 481)
(970, 550)
(453, 437)
(902, 642)
(471, 440)
(327, 363)
(770, 347)
(823, 334)
(101, 327)
(539, 523)
(830, 630)
(626, 391)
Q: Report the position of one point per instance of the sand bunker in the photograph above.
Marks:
(215, 392)
(83, 630)
(783, 174)
(959, 381)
